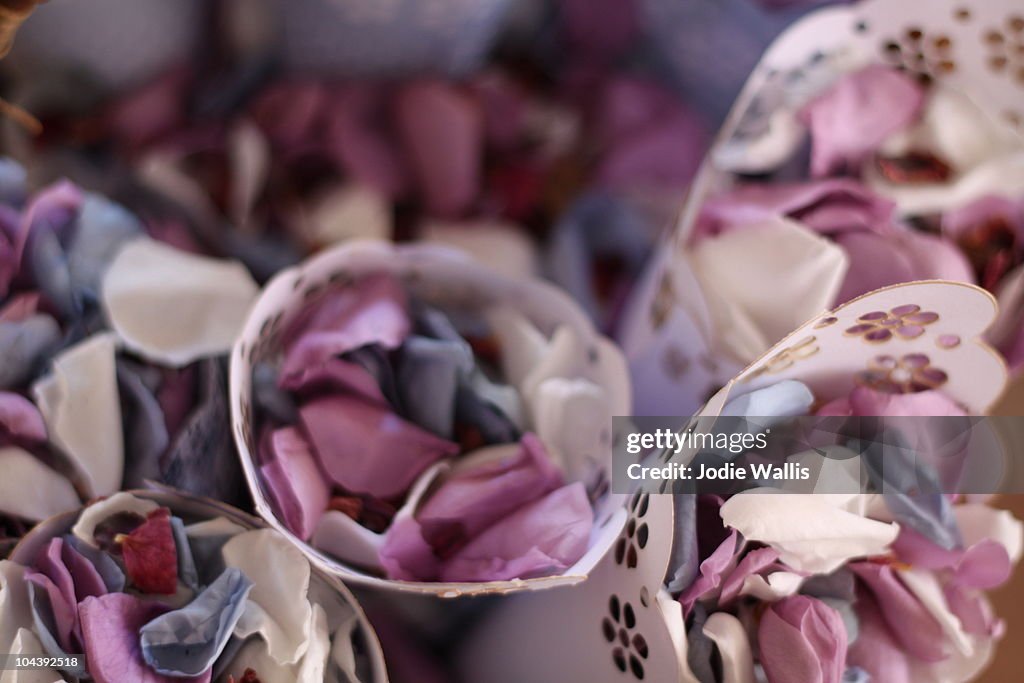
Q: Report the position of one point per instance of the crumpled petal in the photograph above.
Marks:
(374, 311)
(540, 539)
(172, 307)
(475, 497)
(810, 534)
(103, 228)
(367, 449)
(145, 430)
(911, 624)
(428, 373)
(854, 117)
(297, 489)
(876, 650)
(802, 640)
(110, 626)
(278, 607)
(79, 402)
(733, 645)
(150, 554)
(737, 267)
(712, 572)
(187, 641)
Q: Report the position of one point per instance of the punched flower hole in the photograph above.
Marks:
(629, 649)
(635, 535)
(908, 374)
(906, 322)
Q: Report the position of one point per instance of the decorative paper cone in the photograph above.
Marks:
(374, 38)
(112, 42)
(447, 278)
(324, 588)
(583, 633)
(674, 348)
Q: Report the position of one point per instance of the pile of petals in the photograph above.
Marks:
(557, 157)
(378, 394)
(887, 586)
(103, 385)
(876, 180)
(149, 597)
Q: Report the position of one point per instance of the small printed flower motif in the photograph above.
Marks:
(907, 321)
(629, 649)
(785, 358)
(635, 535)
(909, 374)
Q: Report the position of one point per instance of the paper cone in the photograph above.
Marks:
(447, 278)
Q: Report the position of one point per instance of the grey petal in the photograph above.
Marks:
(701, 650)
(269, 397)
(187, 572)
(24, 346)
(145, 431)
(202, 459)
(428, 375)
(103, 227)
(187, 641)
(685, 558)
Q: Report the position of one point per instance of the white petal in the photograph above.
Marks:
(339, 535)
(343, 651)
(672, 611)
(250, 165)
(733, 645)
(255, 655)
(278, 607)
(346, 212)
(26, 643)
(502, 247)
(522, 344)
(743, 269)
(314, 662)
(31, 490)
(82, 410)
(15, 609)
(978, 522)
(213, 528)
(810, 534)
(775, 586)
(173, 307)
(573, 419)
(85, 527)
(925, 586)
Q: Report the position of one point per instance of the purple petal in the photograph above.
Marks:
(851, 119)
(712, 571)
(475, 498)
(298, 490)
(754, 562)
(876, 650)
(802, 640)
(110, 629)
(600, 28)
(366, 449)
(20, 420)
(65, 618)
(289, 112)
(375, 311)
(875, 262)
(911, 622)
(442, 129)
(335, 375)
(543, 538)
(87, 579)
(404, 554)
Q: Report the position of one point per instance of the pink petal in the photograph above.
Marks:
(543, 538)
(289, 112)
(936, 258)
(875, 262)
(65, 618)
(851, 119)
(876, 650)
(357, 138)
(442, 129)
(962, 220)
(911, 622)
(752, 563)
(375, 311)
(404, 554)
(802, 640)
(366, 449)
(868, 402)
(298, 490)
(712, 571)
(110, 629)
(20, 420)
(336, 375)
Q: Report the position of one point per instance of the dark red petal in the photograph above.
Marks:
(150, 556)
